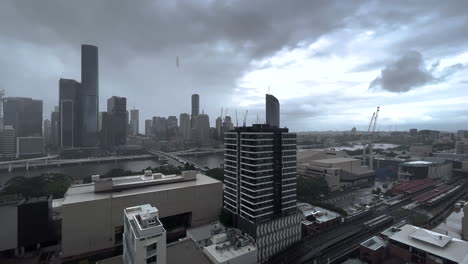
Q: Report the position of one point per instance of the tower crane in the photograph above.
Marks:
(368, 157)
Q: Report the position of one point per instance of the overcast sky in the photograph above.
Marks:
(330, 63)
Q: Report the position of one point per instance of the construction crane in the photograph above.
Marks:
(244, 123)
(367, 157)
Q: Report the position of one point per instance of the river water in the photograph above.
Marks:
(79, 172)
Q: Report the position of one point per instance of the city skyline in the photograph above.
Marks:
(327, 77)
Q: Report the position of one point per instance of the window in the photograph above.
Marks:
(151, 249)
(151, 260)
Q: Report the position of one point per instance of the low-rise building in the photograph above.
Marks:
(422, 169)
(28, 147)
(338, 172)
(417, 245)
(319, 218)
(144, 236)
(421, 150)
(92, 213)
(372, 251)
(223, 246)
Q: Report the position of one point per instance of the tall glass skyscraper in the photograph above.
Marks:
(68, 122)
(195, 109)
(24, 115)
(89, 96)
(272, 110)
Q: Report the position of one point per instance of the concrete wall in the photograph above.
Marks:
(89, 226)
(9, 226)
(441, 171)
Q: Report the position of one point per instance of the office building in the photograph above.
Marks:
(184, 201)
(219, 127)
(24, 115)
(148, 127)
(104, 130)
(160, 128)
(172, 124)
(54, 127)
(203, 128)
(89, 96)
(69, 125)
(117, 114)
(417, 245)
(185, 126)
(260, 186)
(195, 109)
(8, 141)
(227, 124)
(144, 237)
(29, 147)
(413, 132)
(47, 126)
(272, 110)
(135, 121)
(428, 136)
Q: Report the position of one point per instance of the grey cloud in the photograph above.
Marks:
(406, 73)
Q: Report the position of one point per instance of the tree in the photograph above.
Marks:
(54, 184)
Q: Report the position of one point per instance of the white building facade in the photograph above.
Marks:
(144, 236)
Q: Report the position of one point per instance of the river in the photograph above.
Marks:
(79, 172)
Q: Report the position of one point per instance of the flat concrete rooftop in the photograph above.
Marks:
(85, 192)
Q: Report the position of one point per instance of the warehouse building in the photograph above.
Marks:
(92, 213)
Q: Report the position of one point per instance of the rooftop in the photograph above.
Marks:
(374, 243)
(439, 245)
(85, 192)
(321, 214)
(223, 254)
(185, 251)
(144, 220)
(205, 232)
(335, 160)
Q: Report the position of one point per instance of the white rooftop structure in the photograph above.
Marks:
(144, 236)
(320, 214)
(374, 243)
(439, 245)
(222, 246)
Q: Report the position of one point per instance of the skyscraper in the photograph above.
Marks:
(117, 114)
(148, 127)
(203, 127)
(69, 118)
(219, 127)
(160, 128)
(172, 124)
(260, 186)
(195, 109)
(89, 96)
(272, 110)
(24, 115)
(135, 121)
(47, 131)
(54, 127)
(185, 126)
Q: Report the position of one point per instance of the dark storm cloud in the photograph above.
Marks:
(407, 72)
(410, 71)
(139, 41)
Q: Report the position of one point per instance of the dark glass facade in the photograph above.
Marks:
(272, 111)
(89, 96)
(259, 174)
(69, 125)
(24, 115)
(117, 113)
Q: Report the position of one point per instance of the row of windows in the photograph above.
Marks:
(257, 168)
(230, 152)
(289, 164)
(253, 193)
(289, 135)
(256, 142)
(256, 181)
(256, 155)
(230, 135)
(256, 149)
(256, 174)
(230, 141)
(255, 188)
(286, 159)
(293, 147)
(289, 153)
(288, 170)
(257, 136)
(230, 147)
